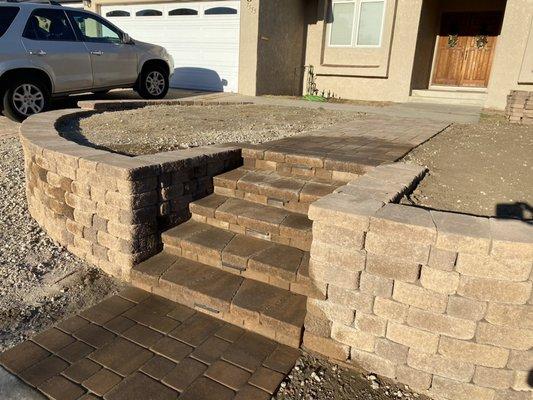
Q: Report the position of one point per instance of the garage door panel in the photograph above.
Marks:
(205, 48)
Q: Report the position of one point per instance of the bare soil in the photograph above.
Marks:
(482, 169)
(162, 128)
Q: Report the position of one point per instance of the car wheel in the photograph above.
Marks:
(153, 83)
(25, 97)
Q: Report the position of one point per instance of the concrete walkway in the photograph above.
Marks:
(138, 346)
(419, 111)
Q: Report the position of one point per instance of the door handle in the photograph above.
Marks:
(37, 53)
(97, 53)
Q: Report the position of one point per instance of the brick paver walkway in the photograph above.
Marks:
(136, 345)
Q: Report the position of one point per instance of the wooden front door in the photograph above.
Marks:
(465, 48)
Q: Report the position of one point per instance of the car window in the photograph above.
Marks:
(49, 24)
(94, 29)
(7, 15)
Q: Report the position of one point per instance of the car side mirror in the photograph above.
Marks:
(126, 39)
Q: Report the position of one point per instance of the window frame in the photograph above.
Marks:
(77, 38)
(103, 21)
(355, 25)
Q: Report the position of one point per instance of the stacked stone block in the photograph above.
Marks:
(519, 107)
(439, 301)
(110, 209)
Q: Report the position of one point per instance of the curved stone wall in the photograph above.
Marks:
(439, 301)
(110, 209)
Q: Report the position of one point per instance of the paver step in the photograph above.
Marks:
(274, 312)
(270, 188)
(279, 265)
(329, 158)
(256, 220)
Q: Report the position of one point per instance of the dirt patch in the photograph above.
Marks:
(318, 379)
(482, 169)
(42, 282)
(162, 128)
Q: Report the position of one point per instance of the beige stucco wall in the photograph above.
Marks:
(511, 56)
(379, 74)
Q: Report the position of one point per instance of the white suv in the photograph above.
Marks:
(51, 51)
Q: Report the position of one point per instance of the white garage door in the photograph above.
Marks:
(203, 38)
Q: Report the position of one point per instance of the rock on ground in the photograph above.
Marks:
(41, 282)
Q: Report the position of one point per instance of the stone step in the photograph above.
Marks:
(328, 158)
(256, 220)
(259, 307)
(270, 188)
(278, 265)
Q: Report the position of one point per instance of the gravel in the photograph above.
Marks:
(483, 169)
(42, 282)
(162, 128)
(314, 378)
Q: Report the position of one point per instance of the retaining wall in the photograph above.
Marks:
(439, 301)
(110, 209)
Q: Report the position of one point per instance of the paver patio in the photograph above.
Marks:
(136, 345)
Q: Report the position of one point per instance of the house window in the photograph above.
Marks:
(148, 13)
(118, 13)
(220, 11)
(356, 23)
(183, 11)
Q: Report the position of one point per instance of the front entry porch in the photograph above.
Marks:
(455, 49)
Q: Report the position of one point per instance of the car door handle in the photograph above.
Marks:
(37, 53)
(97, 53)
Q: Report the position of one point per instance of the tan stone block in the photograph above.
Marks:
(370, 323)
(490, 267)
(347, 278)
(522, 381)
(511, 395)
(462, 307)
(327, 347)
(375, 285)
(459, 390)
(74, 227)
(494, 290)
(511, 239)
(392, 267)
(353, 337)
(81, 189)
(331, 311)
(493, 377)
(344, 211)
(336, 255)
(390, 310)
(395, 247)
(438, 365)
(265, 165)
(462, 233)
(422, 341)
(353, 299)
(510, 315)
(415, 379)
(318, 325)
(444, 282)
(335, 235)
(395, 352)
(442, 324)
(476, 353)
(404, 221)
(419, 297)
(521, 360)
(442, 259)
(503, 336)
(373, 363)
